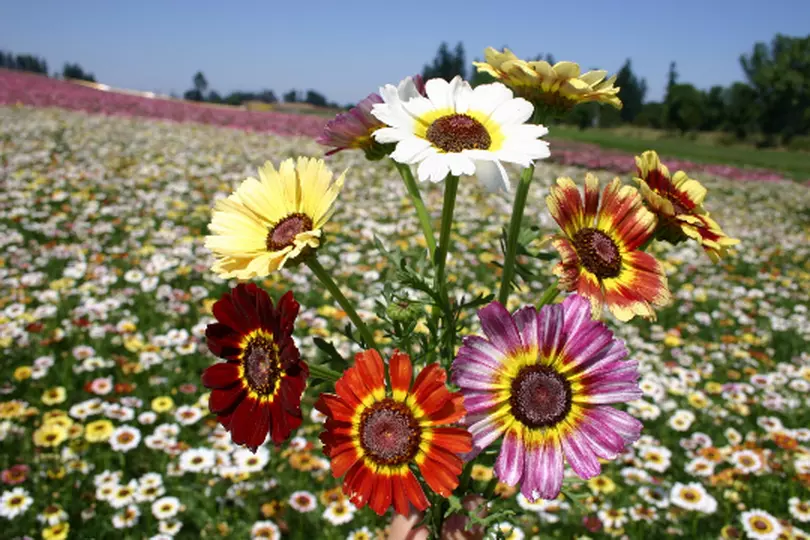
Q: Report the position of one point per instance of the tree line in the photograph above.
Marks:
(35, 64)
(771, 107)
(200, 92)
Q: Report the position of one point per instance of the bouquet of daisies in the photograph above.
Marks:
(406, 424)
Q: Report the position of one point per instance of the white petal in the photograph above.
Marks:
(492, 175)
(433, 168)
(389, 135)
(460, 164)
(514, 111)
(407, 89)
(488, 97)
(440, 93)
(411, 150)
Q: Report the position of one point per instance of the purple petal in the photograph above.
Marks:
(543, 474)
(478, 402)
(499, 327)
(628, 427)
(485, 432)
(579, 454)
(480, 350)
(577, 313)
(526, 321)
(509, 466)
(550, 322)
(604, 394)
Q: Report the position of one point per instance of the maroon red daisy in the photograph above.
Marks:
(257, 390)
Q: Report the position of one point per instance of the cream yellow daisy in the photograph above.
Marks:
(273, 220)
(560, 86)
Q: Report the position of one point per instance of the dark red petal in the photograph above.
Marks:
(226, 313)
(245, 300)
(223, 341)
(221, 375)
(224, 401)
(260, 426)
(243, 419)
(287, 309)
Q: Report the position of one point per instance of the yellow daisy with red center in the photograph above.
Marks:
(601, 246)
(677, 201)
(373, 436)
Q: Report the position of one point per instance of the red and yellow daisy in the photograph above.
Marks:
(258, 389)
(678, 203)
(373, 436)
(601, 259)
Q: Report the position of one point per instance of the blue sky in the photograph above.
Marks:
(346, 49)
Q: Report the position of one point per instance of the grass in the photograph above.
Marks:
(793, 164)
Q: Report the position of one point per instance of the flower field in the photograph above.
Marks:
(107, 292)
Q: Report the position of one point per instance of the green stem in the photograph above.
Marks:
(489, 490)
(549, 295)
(324, 373)
(419, 204)
(321, 273)
(514, 230)
(450, 191)
(464, 481)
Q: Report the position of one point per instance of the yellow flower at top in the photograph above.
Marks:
(560, 86)
(275, 220)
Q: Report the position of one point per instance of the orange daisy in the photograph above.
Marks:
(600, 248)
(373, 436)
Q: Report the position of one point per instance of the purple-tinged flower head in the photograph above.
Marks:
(544, 383)
(353, 128)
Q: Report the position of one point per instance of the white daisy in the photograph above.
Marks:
(760, 525)
(127, 518)
(265, 529)
(800, 510)
(14, 503)
(339, 512)
(693, 496)
(506, 530)
(459, 130)
(166, 507)
(303, 501)
(125, 438)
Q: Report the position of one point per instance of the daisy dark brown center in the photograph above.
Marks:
(760, 524)
(284, 232)
(262, 365)
(457, 132)
(598, 253)
(541, 397)
(389, 433)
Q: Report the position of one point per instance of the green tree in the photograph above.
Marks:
(633, 90)
(684, 108)
(779, 74)
(741, 115)
(715, 109)
(75, 71)
(315, 98)
(651, 115)
(291, 96)
(446, 64)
